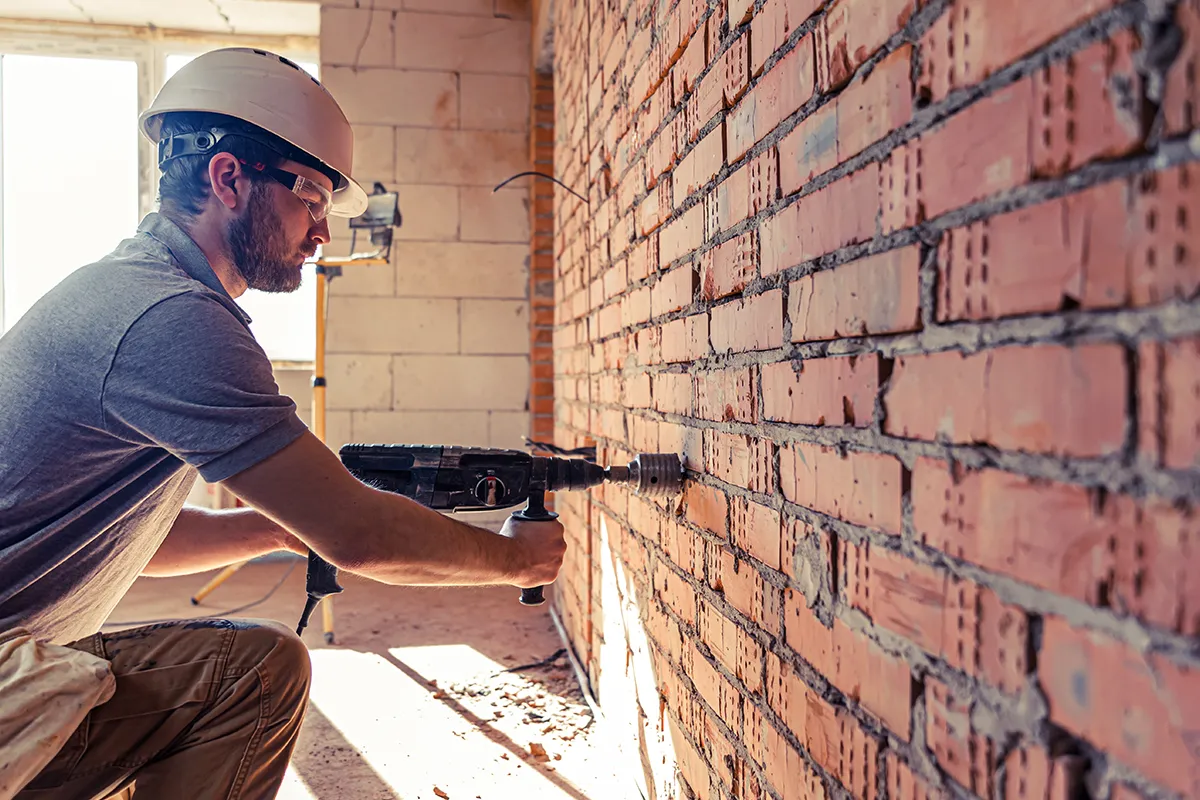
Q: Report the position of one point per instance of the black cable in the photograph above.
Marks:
(544, 662)
(542, 175)
(586, 452)
(226, 613)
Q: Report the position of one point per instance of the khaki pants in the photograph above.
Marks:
(203, 709)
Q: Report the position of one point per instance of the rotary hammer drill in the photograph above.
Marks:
(468, 479)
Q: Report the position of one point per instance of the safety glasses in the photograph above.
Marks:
(316, 197)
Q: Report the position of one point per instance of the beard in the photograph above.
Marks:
(259, 249)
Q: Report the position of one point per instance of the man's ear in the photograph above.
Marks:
(229, 183)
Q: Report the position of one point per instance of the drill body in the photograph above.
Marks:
(472, 479)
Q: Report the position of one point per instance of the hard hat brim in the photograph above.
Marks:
(350, 200)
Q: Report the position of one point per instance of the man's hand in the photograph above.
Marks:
(541, 547)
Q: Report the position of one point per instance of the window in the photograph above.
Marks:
(71, 186)
(69, 159)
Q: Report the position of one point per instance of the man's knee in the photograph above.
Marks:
(276, 652)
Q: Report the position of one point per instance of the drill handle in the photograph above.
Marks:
(320, 582)
(534, 511)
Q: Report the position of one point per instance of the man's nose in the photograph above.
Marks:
(319, 233)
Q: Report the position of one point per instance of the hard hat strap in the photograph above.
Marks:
(199, 143)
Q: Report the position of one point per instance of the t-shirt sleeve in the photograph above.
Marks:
(190, 378)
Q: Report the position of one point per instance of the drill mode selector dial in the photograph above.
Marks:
(490, 490)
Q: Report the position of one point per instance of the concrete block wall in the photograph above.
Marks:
(434, 349)
(913, 287)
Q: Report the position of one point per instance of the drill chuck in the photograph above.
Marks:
(653, 474)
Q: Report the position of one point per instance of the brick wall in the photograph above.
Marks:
(912, 286)
(434, 349)
(541, 260)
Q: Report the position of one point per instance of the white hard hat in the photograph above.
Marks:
(272, 93)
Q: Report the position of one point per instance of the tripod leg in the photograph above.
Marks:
(221, 577)
(327, 618)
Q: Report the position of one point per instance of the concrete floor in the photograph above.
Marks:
(411, 701)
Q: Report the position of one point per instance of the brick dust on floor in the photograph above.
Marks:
(413, 699)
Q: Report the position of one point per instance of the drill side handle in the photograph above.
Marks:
(534, 511)
(320, 582)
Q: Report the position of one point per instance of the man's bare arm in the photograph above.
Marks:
(388, 537)
(202, 540)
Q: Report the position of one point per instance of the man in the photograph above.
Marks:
(141, 365)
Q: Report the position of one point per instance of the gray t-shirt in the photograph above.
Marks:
(122, 376)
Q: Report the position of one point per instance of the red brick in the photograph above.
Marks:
(870, 109)
(877, 294)
(881, 683)
(676, 593)
(732, 200)
(1031, 773)
(861, 488)
(673, 393)
(674, 290)
(830, 218)
(727, 395)
(729, 266)
(634, 309)
(1079, 120)
(810, 149)
(1181, 100)
(740, 460)
(965, 754)
(1135, 557)
(777, 96)
(758, 530)
(1164, 249)
(742, 586)
(699, 166)
(984, 637)
(851, 32)
(764, 180)
(980, 151)
(1141, 709)
(707, 507)
(673, 347)
(975, 38)
(754, 323)
(691, 63)
(787, 770)
(705, 103)
(1169, 402)
(1043, 398)
(899, 594)
(772, 25)
(807, 635)
(899, 182)
(637, 391)
(904, 784)
(733, 70)
(1040, 259)
(696, 328)
(682, 236)
(822, 391)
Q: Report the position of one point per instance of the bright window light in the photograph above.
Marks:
(69, 164)
(284, 324)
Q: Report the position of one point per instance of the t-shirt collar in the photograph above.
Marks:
(188, 255)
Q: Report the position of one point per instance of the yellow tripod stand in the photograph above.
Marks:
(381, 217)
